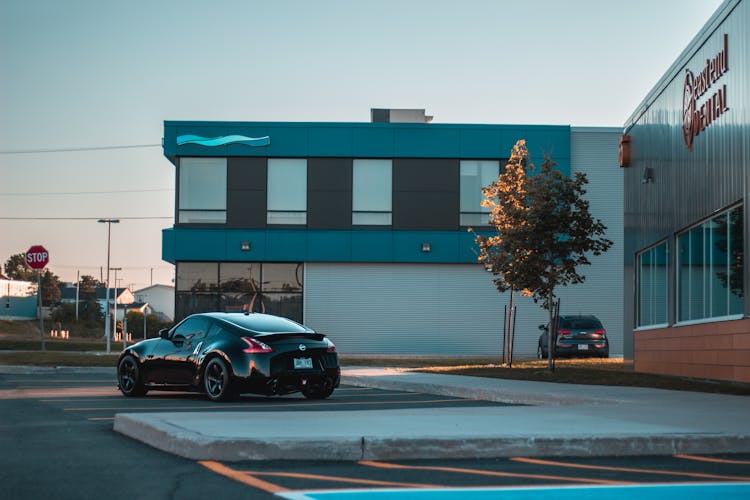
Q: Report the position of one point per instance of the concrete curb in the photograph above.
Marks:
(162, 433)
(412, 449)
(157, 432)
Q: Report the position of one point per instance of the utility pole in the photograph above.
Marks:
(107, 332)
(78, 286)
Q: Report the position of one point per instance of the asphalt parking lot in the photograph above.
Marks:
(95, 397)
(58, 429)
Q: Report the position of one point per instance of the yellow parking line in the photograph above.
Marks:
(712, 459)
(338, 479)
(242, 477)
(630, 469)
(491, 473)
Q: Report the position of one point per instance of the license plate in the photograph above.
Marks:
(583, 347)
(302, 363)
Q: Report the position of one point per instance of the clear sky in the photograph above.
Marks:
(77, 75)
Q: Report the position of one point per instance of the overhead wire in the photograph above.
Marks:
(69, 150)
(66, 193)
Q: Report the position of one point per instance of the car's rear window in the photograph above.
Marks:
(265, 323)
(581, 323)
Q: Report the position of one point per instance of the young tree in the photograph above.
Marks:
(89, 308)
(16, 268)
(544, 230)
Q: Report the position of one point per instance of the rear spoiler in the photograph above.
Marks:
(290, 335)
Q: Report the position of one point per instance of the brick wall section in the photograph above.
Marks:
(719, 351)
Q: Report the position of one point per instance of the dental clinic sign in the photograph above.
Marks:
(699, 112)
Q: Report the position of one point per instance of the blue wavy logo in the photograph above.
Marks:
(223, 140)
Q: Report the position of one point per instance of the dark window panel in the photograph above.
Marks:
(246, 173)
(431, 175)
(425, 211)
(246, 209)
(329, 174)
(329, 209)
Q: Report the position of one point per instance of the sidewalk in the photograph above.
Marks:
(555, 420)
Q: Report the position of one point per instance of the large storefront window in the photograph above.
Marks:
(476, 174)
(710, 269)
(202, 191)
(651, 276)
(233, 286)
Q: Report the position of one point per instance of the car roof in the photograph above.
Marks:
(259, 322)
(578, 316)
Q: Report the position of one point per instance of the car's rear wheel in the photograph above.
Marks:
(129, 378)
(319, 390)
(217, 380)
(540, 354)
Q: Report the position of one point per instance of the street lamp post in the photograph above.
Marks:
(109, 223)
(115, 269)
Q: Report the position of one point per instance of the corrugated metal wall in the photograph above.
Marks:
(444, 309)
(594, 152)
(688, 186)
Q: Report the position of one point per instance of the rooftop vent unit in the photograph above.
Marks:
(380, 115)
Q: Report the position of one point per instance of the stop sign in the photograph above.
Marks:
(37, 257)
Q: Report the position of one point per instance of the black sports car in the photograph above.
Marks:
(227, 354)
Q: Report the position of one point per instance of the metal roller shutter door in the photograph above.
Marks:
(424, 309)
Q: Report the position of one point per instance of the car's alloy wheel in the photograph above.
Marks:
(129, 377)
(216, 380)
(319, 390)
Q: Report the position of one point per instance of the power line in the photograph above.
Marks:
(83, 218)
(69, 150)
(88, 192)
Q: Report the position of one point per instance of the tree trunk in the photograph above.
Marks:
(551, 332)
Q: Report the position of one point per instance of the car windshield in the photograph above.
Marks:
(580, 323)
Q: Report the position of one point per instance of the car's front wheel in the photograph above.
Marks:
(217, 380)
(129, 378)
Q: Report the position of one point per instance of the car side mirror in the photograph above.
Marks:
(164, 333)
(542, 327)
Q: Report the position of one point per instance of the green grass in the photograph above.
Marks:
(56, 358)
(54, 345)
(610, 372)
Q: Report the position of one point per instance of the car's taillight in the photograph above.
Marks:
(563, 333)
(255, 346)
(330, 346)
(601, 332)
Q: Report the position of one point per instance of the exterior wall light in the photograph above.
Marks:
(245, 246)
(426, 247)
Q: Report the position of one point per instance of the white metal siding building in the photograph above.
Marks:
(444, 309)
